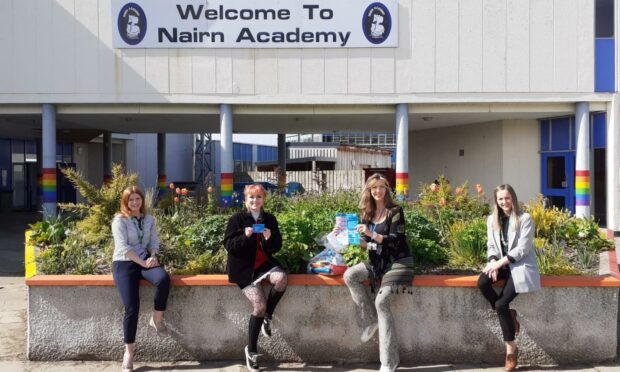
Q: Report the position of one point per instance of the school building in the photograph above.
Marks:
(491, 91)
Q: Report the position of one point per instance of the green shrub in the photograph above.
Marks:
(354, 255)
(467, 243)
(423, 238)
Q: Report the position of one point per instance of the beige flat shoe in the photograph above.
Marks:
(160, 327)
(127, 365)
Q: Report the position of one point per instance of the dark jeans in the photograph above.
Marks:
(501, 302)
(127, 275)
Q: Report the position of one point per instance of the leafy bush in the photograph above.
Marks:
(423, 238)
(467, 242)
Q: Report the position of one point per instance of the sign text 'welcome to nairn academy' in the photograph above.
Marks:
(254, 24)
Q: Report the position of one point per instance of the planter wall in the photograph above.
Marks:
(444, 320)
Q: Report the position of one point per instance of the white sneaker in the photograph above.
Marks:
(369, 332)
(387, 369)
(160, 327)
(251, 360)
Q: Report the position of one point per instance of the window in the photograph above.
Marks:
(604, 18)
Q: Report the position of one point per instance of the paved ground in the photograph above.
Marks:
(13, 302)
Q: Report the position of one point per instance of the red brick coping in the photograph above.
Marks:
(611, 280)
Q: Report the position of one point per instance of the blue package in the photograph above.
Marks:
(258, 228)
(352, 222)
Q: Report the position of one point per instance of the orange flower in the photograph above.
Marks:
(176, 199)
(479, 188)
(210, 189)
(178, 191)
(184, 191)
(434, 187)
(458, 191)
(442, 202)
(171, 186)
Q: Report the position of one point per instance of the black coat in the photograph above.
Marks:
(242, 250)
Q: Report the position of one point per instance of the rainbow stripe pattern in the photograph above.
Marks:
(161, 185)
(582, 188)
(226, 186)
(49, 185)
(402, 185)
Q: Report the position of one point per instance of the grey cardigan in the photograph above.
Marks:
(524, 270)
(126, 237)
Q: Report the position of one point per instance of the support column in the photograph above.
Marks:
(402, 151)
(49, 160)
(226, 155)
(107, 157)
(281, 169)
(613, 164)
(582, 160)
(162, 183)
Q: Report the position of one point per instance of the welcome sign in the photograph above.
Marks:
(254, 24)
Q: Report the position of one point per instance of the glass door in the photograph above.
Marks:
(558, 179)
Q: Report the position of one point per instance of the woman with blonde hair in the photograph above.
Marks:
(252, 238)
(512, 258)
(136, 245)
(390, 263)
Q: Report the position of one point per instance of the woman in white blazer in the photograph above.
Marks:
(512, 258)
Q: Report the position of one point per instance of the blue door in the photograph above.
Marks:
(558, 179)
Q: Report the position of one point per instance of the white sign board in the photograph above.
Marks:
(254, 24)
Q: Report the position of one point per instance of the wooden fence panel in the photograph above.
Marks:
(313, 181)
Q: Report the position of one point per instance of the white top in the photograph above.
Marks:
(128, 236)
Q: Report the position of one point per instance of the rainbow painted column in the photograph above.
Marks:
(49, 160)
(226, 156)
(161, 165)
(402, 151)
(582, 160)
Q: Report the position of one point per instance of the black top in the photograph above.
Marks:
(242, 250)
(504, 222)
(394, 245)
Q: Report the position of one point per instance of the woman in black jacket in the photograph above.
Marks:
(252, 237)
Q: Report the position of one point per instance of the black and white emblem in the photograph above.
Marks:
(377, 23)
(132, 23)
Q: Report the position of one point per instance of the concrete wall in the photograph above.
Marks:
(318, 324)
(436, 151)
(61, 51)
(494, 153)
(521, 157)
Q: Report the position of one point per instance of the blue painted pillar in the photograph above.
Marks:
(49, 160)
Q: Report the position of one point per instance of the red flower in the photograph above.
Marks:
(434, 187)
(176, 199)
(458, 191)
(184, 191)
(210, 189)
(178, 191)
(479, 189)
(171, 186)
(442, 202)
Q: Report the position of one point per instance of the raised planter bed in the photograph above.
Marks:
(446, 320)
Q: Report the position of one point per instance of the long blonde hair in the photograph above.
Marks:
(515, 215)
(367, 203)
(125, 211)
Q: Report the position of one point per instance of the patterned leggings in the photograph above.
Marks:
(256, 295)
(388, 344)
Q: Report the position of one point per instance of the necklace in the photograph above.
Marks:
(379, 215)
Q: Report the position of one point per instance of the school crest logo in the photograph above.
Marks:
(376, 23)
(132, 23)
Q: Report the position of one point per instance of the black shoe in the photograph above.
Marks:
(266, 328)
(251, 360)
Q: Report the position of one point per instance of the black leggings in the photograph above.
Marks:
(500, 302)
(127, 275)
